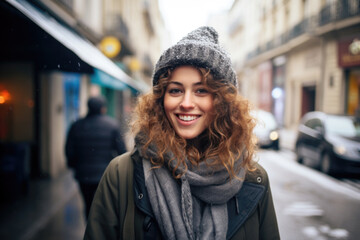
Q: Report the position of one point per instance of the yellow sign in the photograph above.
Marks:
(110, 46)
(134, 64)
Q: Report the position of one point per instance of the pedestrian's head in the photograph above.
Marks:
(96, 105)
(194, 107)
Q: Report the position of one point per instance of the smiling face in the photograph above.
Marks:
(188, 104)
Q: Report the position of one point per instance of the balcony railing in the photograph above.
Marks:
(337, 11)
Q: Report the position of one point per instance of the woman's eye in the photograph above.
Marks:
(202, 91)
(174, 91)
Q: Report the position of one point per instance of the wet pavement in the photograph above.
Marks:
(67, 223)
(52, 209)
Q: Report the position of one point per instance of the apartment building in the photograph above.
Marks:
(296, 56)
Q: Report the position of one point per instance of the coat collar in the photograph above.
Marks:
(243, 205)
(240, 207)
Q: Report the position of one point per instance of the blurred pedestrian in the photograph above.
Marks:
(91, 144)
(191, 174)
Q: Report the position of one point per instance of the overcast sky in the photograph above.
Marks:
(183, 16)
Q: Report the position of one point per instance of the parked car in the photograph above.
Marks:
(266, 129)
(330, 143)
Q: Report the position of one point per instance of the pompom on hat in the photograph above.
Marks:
(200, 48)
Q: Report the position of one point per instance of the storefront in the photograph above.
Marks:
(120, 97)
(349, 61)
(46, 72)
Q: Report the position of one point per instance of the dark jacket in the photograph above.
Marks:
(92, 142)
(121, 208)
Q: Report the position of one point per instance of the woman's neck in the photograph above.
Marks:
(201, 142)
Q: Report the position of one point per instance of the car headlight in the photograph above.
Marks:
(274, 135)
(340, 149)
(346, 151)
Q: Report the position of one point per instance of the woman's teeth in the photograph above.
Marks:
(187, 117)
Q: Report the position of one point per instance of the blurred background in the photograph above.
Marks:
(291, 57)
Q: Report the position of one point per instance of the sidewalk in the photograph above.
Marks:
(25, 218)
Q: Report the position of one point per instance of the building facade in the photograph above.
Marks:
(296, 56)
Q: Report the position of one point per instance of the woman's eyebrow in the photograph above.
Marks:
(176, 83)
(198, 84)
(180, 84)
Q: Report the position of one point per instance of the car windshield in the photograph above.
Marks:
(342, 125)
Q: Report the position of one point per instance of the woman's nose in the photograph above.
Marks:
(187, 101)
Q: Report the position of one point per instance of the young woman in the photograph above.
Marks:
(191, 173)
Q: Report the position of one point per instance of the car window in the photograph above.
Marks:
(348, 126)
(314, 123)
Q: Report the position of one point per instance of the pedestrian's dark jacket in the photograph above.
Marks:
(121, 208)
(91, 144)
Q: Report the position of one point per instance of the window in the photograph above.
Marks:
(314, 123)
(306, 8)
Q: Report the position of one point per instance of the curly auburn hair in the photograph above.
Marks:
(229, 135)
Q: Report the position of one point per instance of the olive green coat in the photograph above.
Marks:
(120, 209)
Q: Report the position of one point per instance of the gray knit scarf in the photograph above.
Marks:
(193, 207)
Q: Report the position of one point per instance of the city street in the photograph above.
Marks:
(80, 79)
(309, 204)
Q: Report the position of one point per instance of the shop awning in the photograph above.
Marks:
(105, 80)
(80, 46)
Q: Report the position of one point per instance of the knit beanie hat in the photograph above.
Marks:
(200, 48)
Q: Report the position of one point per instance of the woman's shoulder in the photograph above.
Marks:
(257, 174)
(122, 159)
(120, 165)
